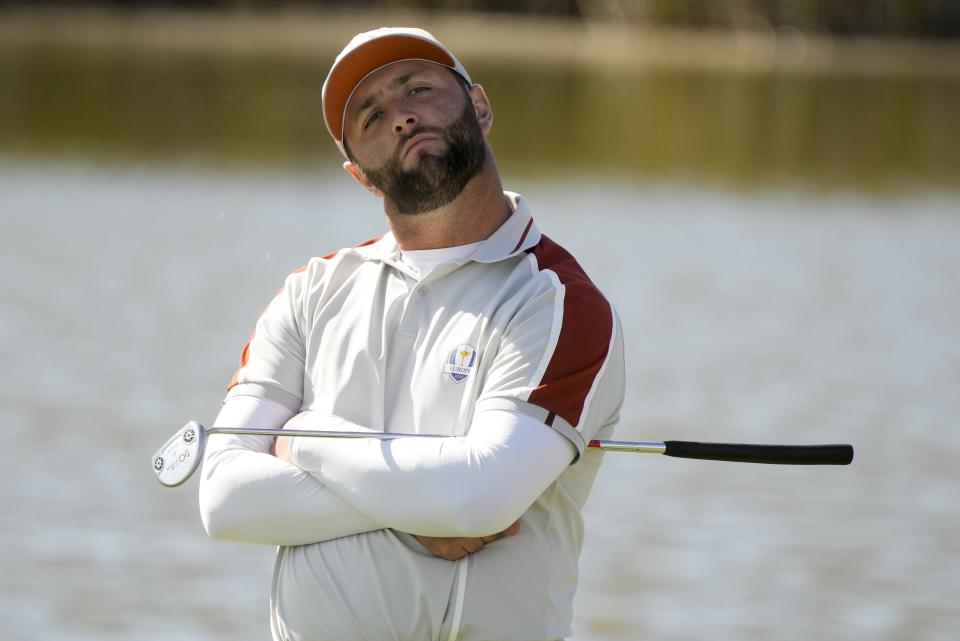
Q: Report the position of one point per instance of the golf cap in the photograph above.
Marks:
(370, 51)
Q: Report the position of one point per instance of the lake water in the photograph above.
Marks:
(774, 315)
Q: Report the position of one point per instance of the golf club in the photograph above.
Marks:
(180, 456)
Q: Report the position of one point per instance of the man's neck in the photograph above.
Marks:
(472, 216)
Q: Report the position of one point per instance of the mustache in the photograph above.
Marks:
(419, 130)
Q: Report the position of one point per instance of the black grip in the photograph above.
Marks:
(772, 454)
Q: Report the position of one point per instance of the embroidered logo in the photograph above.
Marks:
(461, 363)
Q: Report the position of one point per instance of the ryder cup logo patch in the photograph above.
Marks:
(460, 363)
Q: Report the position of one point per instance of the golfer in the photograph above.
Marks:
(463, 320)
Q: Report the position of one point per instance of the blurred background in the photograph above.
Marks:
(768, 190)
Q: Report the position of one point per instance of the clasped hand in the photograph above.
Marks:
(455, 548)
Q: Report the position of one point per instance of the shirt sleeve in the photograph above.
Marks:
(248, 495)
(273, 360)
(560, 360)
(472, 485)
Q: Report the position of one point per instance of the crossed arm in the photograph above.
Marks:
(456, 494)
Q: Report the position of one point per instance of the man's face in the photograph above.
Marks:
(413, 131)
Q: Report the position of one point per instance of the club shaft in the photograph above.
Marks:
(257, 431)
(839, 454)
(641, 447)
(610, 446)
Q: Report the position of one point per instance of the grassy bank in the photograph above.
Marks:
(242, 90)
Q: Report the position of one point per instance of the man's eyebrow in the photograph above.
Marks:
(396, 82)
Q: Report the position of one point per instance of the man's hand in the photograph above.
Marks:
(306, 420)
(281, 448)
(455, 548)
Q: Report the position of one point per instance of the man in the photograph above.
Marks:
(462, 321)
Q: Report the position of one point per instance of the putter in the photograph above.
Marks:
(180, 456)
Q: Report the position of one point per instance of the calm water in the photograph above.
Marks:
(775, 315)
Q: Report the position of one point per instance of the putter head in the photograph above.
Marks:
(180, 456)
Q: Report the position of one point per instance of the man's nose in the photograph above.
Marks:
(404, 120)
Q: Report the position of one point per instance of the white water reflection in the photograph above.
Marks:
(780, 317)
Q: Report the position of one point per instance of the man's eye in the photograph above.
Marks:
(371, 119)
(420, 89)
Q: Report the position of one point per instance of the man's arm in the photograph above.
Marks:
(246, 494)
(470, 486)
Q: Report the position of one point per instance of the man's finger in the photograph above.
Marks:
(472, 545)
(451, 554)
(448, 551)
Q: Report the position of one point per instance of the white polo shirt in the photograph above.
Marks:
(517, 326)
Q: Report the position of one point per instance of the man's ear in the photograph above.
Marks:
(481, 105)
(354, 170)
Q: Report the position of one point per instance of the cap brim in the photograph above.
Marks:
(368, 57)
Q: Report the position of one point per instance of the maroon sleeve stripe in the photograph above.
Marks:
(584, 340)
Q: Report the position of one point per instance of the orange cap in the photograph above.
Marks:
(368, 52)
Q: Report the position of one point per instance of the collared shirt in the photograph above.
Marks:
(516, 325)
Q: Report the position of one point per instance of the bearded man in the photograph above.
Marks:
(463, 320)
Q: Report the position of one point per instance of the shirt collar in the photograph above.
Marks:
(384, 248)
(517, 234)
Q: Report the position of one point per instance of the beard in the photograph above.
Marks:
(436, 180)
